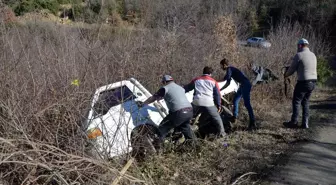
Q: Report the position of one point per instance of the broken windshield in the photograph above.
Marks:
(111, 98)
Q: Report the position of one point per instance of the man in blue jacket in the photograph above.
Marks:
(243, 91)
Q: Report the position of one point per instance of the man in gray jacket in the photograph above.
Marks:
(180, 109)
(304, 63)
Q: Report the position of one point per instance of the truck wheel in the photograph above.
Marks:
(205, 126)
(145, 141)
(226, 114)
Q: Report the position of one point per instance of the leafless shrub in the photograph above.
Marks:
(39, 104)
(7, 16)
(284, 40)
(39, 163)
(42, 135)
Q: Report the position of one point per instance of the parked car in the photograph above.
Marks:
(114, 120)
(258, 42)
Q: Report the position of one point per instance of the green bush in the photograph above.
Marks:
(95, 6)
(24, 6)
(324, 72)
(120, 7)
(51, 5)
(77, 11)
(64, 1)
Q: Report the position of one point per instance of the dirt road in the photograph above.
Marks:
(313, 162)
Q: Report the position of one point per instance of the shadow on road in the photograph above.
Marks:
(324, 106)
(313, 164)
(328, 104)
(313, 160)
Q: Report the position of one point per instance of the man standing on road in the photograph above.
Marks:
(207, 98)
(180, 109)
(304, 63)
(243, 91)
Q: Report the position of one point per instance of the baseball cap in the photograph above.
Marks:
(303, 41)
(167, 78)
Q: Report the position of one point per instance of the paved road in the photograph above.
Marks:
(313, 162)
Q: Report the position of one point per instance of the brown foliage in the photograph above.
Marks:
(41, 122)
(7, 15)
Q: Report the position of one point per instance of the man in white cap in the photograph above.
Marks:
(180, 109)
(304, 63)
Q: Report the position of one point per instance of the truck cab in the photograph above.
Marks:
(114, 115)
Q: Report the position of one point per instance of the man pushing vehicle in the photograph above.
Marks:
(207, 98)
(243, 91)
(180, 109)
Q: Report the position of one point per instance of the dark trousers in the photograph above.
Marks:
(243, 91)
(213, 113)
(302, 93)
(179, 120)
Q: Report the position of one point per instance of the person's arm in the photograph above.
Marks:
(149, 100)
(293, 67)
(157, 96)
(259, 76)
(256, 80)
(227, 78)
(217, 96)
(190, 86)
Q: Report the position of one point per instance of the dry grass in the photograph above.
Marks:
(42, 135)
(216, 163)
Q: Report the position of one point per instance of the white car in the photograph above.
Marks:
(114, 116)
(258, 42)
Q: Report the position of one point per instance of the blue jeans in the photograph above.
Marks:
(301, 97)
(243, 91)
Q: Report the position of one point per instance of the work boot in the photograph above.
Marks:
(252, 125)
(233, 119)
(304, 124)
(222, 135)
(228, 128)
(290, 124)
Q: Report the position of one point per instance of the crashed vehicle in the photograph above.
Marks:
(263, 75)
(116, 125)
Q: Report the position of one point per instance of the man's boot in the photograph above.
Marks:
(304, 124)
(233, 119)
(252, 125)
(290, 124)
(223, 134)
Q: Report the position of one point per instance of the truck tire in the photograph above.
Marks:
(206, 127)
(226, 114)
(145, 141)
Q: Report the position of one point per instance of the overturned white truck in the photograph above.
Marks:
(114, 118)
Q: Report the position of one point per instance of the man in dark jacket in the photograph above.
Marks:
(243, 91)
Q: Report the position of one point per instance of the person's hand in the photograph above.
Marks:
(140, 103)
(284, 70)
(219, 108)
